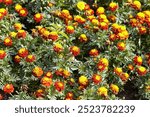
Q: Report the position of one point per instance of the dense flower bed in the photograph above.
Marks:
(71, 49)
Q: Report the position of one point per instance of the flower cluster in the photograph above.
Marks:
(80, 51)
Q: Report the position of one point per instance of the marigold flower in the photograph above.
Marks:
(37, 72)
(121, 46)
(69, 96)
(81, 5)
(23, 12)
(142, 30)
(103, 61)
(8, 41)
(113, 6)
(75, 50)
(39, 93)
(95, 22)
(18, 26)
(30, 58)
(46, 81)
(8, 2)
(114, 88)
(2, 54)
(65, 13)
(57, 47)
(89, 12)
(59, 86)
(141, 70)
(8, 88)
(70, 29)
(102, 91)
(18, 7)
(49, 74)
(100, 10)
(38, 17)
(59, 72)
(21, 34)
(3, 11)
(83, 80)
(66, 73)
(94, 52)
(112, 37)
(136, 5)
(138, 60)
(103, 26)
(83, 38)
(131, 67)
(17, 59)
(96, 79)
(53, 35)
(23, 52)
(124, 76)
(12, 34)
(118, 70)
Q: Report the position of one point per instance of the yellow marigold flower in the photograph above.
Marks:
(18, 7)
(83, 80)
(114, 88)
(102, 91)
(100, 10)
(81, 5)
(12, 34)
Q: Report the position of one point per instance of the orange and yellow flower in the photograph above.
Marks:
(8, 88)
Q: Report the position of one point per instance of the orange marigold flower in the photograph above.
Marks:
(8, 41)
(18, 7)
(112, 37)
(114, 88)
(138, 60)
(53, 35)
(8, 88)
(18, 26)
(23, 12)
(39, 93)
(96, 78)
(49, 74)
(118, 70)
(21, 34)
(66, 73)
(83, 38)
(65, 13)
(121, 46)
(124, 76)
(17, 59)
(100, 10)
(38, 17)
(75, 50)
(8, 2)
(136, 5)
(59, 86)
(1, 16)
(37, 72)
(59, 72)
(69, 96)
(102, 91)
(30, 58)
(93, 52)
(83, 80)
(3, 11)
(113, 6)
(103, 26)
(81, 5)
(23, 52)
(131, 67)
(103, 61)
(142, 30)
(57, 47)
(46, 81)
(70, 29)
(2, 54)
(141, 70)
